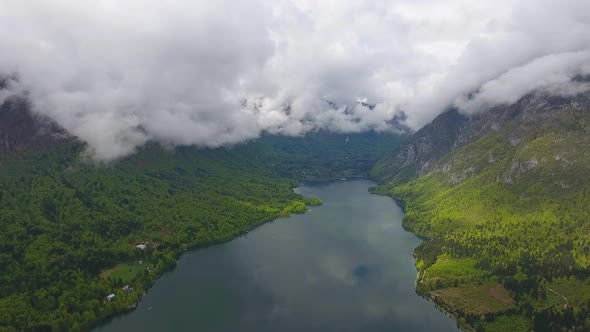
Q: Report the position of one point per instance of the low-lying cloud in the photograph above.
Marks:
(210, 73)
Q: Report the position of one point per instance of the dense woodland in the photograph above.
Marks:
(71, 227)
(507, 229)
(322, 156)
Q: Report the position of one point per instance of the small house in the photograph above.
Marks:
(127, 289)
(140, 246)
(110, 297)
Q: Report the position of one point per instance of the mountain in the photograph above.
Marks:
(323, 155)
(502, 198)
(416, 156)
(75, 231)
(19, 128)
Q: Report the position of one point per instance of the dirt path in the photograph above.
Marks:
(562, 296)
(423, 276)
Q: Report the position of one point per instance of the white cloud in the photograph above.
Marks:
(552, 73)
(120, 73)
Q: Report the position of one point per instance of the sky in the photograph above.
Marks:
(118, 74)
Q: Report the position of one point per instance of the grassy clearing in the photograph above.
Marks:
(449, 268)
(127, 273)
(474, 298)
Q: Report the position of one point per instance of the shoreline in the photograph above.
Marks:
(441, 307)
(399, 202)
(178, 255)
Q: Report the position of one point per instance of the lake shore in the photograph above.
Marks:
(276, 265)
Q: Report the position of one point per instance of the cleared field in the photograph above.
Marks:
(476, 299)
(127, 273)
(449, 268)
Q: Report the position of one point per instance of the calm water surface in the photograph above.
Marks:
(343, 266)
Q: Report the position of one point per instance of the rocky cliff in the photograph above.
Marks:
(20, 128)
(519, 124)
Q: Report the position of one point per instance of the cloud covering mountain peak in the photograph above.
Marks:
(120, 73)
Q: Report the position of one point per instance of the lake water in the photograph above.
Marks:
(343, 266)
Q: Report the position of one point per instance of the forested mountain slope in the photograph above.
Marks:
(506, 211)
(74, 231)
(327, 156)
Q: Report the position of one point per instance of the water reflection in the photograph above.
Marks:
(344, 266)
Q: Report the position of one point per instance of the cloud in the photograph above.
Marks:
(210, 73)
(117, 74)
(553, 74)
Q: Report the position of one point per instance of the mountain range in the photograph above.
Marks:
(500, 197)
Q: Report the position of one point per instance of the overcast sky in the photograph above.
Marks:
(119, 73)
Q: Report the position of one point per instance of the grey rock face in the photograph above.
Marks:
(20, 128)
(451, 130)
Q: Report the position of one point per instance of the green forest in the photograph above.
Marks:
(506, 227)
(324, 156)
(76, 231)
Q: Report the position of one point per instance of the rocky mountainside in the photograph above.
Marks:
(417, 156)
(520, 123)
(503, 199)
(20, 128)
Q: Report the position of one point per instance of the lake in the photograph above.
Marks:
(344, 266)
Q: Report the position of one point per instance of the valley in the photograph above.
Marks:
(343, 266)
(295, 165)
(76, 231)
(500, 199)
